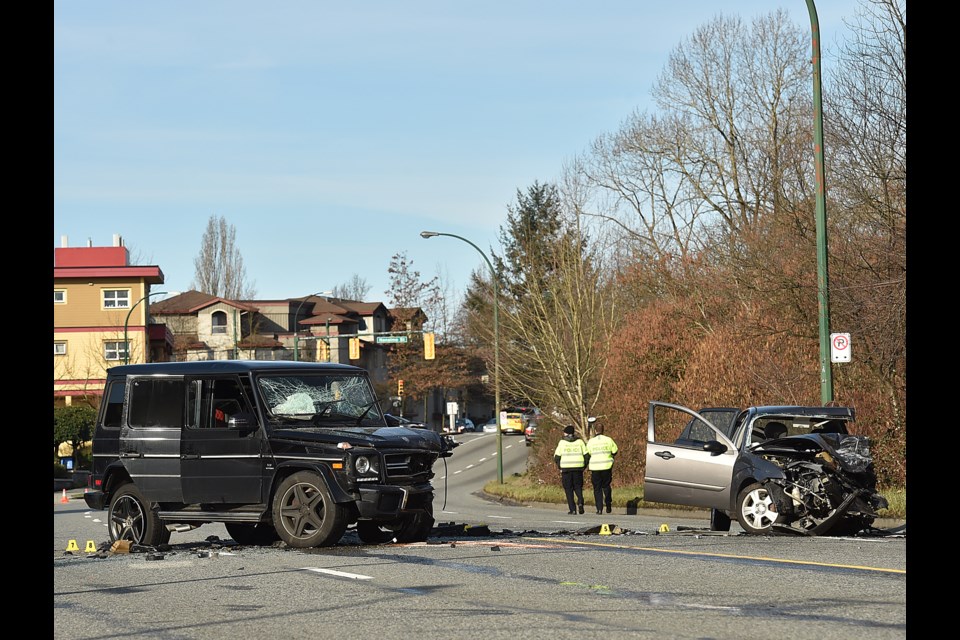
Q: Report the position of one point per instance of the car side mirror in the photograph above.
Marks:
(715, 447)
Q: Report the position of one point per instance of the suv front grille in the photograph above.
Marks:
(408, 465)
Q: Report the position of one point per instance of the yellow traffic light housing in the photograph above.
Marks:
(429, 353)
(354, 348)
(399, 387)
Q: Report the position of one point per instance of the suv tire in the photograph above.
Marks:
(305, 515)
(371, 532)
(132, 518)
(416, 528)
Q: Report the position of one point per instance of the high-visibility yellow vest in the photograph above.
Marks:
(571, 453)
(601, 449)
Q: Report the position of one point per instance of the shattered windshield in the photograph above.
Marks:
(319, 398)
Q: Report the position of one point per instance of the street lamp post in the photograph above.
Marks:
(496, 344)
(826, 375)
(296, 324)
(126, 323)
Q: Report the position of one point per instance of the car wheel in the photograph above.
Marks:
(373, 533)
(416, 528)
(719, 521)
(252, 534)
(755, 511)
(305, 515)
(132, 518)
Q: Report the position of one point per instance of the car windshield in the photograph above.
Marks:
(316, 398)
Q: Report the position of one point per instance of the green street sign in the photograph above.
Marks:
(391, 339)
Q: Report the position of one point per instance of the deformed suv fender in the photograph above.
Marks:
(114, 476)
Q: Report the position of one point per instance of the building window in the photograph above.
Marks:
(115, 350)
(116, 298)
(59, 296)
(218, 322)
(59, 348)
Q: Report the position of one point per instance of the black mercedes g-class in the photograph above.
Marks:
(293, 451)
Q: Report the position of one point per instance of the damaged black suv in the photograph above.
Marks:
(292, 451)
(775, 469)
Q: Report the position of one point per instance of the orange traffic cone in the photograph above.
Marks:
(64, 497)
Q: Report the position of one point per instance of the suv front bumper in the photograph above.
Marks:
(384, 502)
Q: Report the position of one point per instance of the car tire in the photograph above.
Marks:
(305, 515)
(131, 517)
(754, 512)
(416, 528)
(254, 535)
(719, 521)
(371, 532)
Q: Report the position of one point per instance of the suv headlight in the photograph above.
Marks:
(367, 466)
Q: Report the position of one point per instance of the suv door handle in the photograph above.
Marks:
(192, 456)
(131, 454)
(666, 455)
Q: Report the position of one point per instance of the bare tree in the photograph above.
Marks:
(554, 344)
(356, 288)
(218, 268)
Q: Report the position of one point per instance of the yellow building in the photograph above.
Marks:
(101, 318)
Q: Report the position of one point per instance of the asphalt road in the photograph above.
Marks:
(491, 570)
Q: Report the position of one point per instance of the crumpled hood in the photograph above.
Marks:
(381, 437)
(852, 451)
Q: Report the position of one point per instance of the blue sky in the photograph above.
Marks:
(330, 133)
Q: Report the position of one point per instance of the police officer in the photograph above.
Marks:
(602, 450)
(571, 457)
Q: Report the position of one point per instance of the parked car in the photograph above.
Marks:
(465, 425)
(530, 433)
(490, 426)
(784, 469)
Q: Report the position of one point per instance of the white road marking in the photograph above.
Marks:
(482, 459)
(469, 466)
(501, 517)
(342, 574)
(458, 471)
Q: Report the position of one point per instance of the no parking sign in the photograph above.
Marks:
(839, 347)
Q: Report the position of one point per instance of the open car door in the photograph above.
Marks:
(697, 473)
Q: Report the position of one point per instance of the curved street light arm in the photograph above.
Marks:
(126, 323)
(496, 343)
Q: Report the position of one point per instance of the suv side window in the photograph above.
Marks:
(113, 411)
(156, 402)
(212, 401)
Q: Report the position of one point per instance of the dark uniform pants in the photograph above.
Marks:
(573, 484)
(602, 491)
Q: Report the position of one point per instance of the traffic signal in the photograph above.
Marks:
(399, 387)
(323, 351)
(354, 348)
(428, 349)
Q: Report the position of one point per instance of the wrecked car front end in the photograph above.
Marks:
(826, 484)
